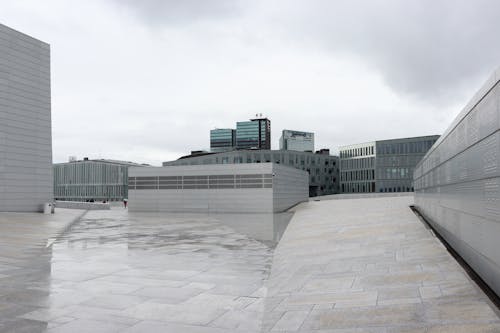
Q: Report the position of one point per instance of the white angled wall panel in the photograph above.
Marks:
(457, 183)
(25, 123)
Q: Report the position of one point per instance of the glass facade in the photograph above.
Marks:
(382, 166)
(253, 134)
(91, 180)
(222, 139)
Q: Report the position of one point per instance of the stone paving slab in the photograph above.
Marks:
(365, 265)
(369, 265)
(120, 272)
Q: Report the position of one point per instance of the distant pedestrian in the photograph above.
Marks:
(125, 201)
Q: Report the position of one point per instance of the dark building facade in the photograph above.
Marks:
(222, 139)
(323, 168)
(253, 134)
(382, 166)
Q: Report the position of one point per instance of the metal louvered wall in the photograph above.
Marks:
(457, 183)
(217, 188)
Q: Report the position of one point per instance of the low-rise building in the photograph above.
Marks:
(92, 180)
(242, 188)
(382, 166)
(323, 169)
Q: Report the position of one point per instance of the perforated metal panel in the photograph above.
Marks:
(457, 183)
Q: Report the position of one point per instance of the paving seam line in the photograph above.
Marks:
(471, 273)
(67, 227)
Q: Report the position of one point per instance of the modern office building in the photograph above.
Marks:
(322, 168)
(25, 122)
(222, 139)
(297, 141)
(253, 134)
(242, 188)
(92, 180)
(382, 166)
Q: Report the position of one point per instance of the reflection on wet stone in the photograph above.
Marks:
(115, 271)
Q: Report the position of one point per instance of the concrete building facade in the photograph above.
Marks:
(323, 169)
(25, 122)
(242, 188)
(297, 141)
(91, 180)
(457, 183)
(382, 166)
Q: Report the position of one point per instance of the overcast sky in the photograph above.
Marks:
(146, 80)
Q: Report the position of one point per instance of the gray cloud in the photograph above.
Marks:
(426, 48)
(147, 80)
(181, 11)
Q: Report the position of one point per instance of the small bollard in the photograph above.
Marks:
(48, 208)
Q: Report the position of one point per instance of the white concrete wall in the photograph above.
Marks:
(457, 184)
(290, 186)
(220, 200)
(25, 123)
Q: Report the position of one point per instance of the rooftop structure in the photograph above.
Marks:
(92, 180)
(25, 122)
(217, 188)
(322, 168)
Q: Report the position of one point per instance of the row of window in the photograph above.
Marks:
(201, 182)
(417, 147)
(96, 192)
(90, 173)
(358, 163)
(355, 152)
(396, 189)
(399, 160)
(357, 175)
(395, 173)
(363, 187)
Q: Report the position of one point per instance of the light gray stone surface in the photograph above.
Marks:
(369, 265)
(25, 123)
(361, 265)
(116, 271)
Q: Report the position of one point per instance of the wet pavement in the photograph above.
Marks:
(120, 272)
(353, 265)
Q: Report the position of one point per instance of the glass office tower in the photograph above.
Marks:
(253, 134)
(222, 139)
(297, 140)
